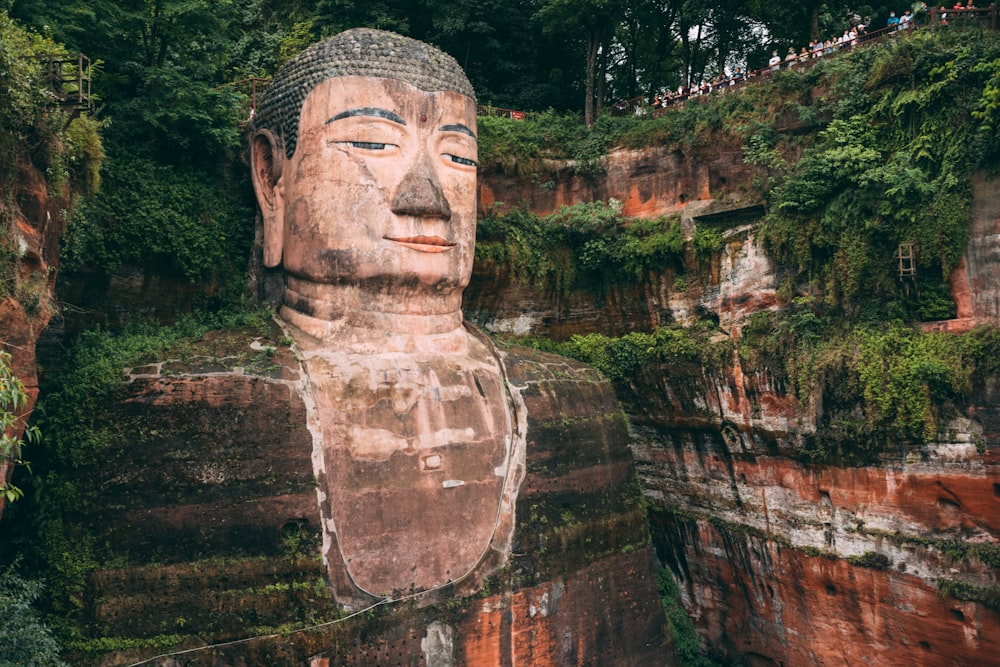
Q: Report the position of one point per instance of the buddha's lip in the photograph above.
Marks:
(422, 243)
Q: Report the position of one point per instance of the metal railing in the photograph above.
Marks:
(499, 112)
(801, 62)
(67, 75)
(986, 17)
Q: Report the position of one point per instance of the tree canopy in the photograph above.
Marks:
(168, 56)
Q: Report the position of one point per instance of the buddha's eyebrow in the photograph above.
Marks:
(458, 128)
(369, 111)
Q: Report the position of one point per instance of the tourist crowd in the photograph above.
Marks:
(815, 49)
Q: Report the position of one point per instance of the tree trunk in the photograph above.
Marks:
(593, 43)
(697, 68)
(685, 56)
(602, 71)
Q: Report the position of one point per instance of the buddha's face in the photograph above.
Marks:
(381, 190)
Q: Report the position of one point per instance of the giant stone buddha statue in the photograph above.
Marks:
(364, 164)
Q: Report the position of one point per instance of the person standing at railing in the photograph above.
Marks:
(775, 61)
(893, 20)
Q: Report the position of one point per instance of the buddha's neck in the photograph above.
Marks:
(362, 321)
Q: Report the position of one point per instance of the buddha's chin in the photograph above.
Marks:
(418, 291)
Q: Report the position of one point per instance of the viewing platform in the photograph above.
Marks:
(67, 76)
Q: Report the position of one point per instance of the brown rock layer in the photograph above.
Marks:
(774, 605)
(769, 550)
(33, 242)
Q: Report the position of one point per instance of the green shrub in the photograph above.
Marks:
(587, 245)
(707, 241)
(677, 349)
(182, 219)
(13, 402)
(989, 597)
(687, 643)
(877, 384)
(892, 166)
(870, 559)
(24, 639)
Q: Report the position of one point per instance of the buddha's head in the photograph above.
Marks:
(363, 159)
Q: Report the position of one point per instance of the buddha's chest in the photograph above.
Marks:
(414, 457)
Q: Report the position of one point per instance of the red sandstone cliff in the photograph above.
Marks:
(783, 563)
(33, 245)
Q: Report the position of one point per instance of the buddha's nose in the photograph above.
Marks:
(420, 194)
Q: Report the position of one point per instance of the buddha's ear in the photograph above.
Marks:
(266, 161)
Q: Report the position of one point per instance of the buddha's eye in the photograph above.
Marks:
(368, 145)
(460, 160)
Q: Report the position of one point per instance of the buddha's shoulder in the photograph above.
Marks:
(566, 385)
(525, 364)
(258, 353)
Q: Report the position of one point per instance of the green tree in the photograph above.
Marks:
(173, 202)
(161, 63)
(13, 402)
(591, 23)
(24, 640)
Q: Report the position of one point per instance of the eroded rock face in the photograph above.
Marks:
(782, 562)
(775, 605)
(974, 283)
(712, 188)
(786, 563)
(24, 314)
(649, 182)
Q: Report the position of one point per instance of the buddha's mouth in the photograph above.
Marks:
(422, 243)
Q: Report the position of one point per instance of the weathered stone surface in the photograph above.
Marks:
(649, 182)
(974, 285)
(37, 224)
(763, 544)
(710, 188)
(774, 605)
(760, 541)
(419, 460)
